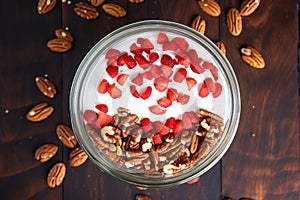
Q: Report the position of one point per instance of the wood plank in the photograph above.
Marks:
(264, 157)
(24, 55)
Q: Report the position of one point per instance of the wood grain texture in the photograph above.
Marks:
(261, 163)
(265, 152)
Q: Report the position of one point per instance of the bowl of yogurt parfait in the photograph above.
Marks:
(155, 104)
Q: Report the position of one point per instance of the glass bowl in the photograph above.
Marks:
(155, 104)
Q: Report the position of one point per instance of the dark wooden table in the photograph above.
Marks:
(262, 162)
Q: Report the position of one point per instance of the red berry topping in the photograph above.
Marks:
(203, 91)
(190, 82)
(102, 88)
(180, 75)
(134, 91)
(112, 53)
(164, 102)
(146, 93)
(112, 71)
(114, 91)
(121, 79)
(156, 109)
(130, 62)
(102, 107)
(162, 38)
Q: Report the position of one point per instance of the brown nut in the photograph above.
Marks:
(194, 144)
(252, 57)
(135, 1)
(248, 7)
(45, 152)
(97, 2)
(45, 6)
(211, 7)
(56, 175)
(222, 47)
(204, 113)
(64, 34)
(142, 197)
(59, 45)
(39, 112)
(86, 11)
(114, 10)
(234, 22)
(199, 24)
(66, 135)
(77, 157)
(45, 86)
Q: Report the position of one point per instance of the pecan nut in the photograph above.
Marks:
(222, 47)
(234, 22)
(211, 7)
(56, 175)
(45, 152)
(114, 10)
(97, 2)
(86, 11)
(199, 24)
(248, 7)
(194, 144)
(66, 135)
(135, 1)
(39, 112)
(45, 6)
(204, 113)
(64, 34)
(77, 157)
(45, 86)
(252, 57)
(59, 45)
(142, 197)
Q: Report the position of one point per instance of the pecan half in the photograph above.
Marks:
(203, 152)
(45, 86)
(142, 197)
(77, 157)
(199, 24)
(59, 45)
(45, 6)
(222, 47)
(45, 152)
(39, 112)
(234, 22)
(194, 143)
(64, 34)
(86, 11)
(135, 1)
(211, 7)
(114, 10)
(204, 113)
(97, 2)
(252, 57)
(248, 7)
(56, 175)
(97, 138)
(66, 135)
